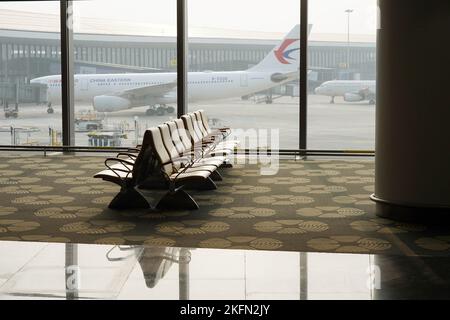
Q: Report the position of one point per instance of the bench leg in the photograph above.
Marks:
(179, 200)
(215, 176)
(226, 164)
(128, 198)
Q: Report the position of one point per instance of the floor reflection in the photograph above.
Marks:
(72, 271)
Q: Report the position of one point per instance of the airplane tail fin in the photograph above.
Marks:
(285, 57)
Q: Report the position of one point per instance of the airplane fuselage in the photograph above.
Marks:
(338, 88)
(201, 85)
(115, 92)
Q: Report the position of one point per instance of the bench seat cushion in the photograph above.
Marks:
(195, 175)
(113, 174)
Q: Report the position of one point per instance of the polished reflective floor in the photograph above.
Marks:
(74, 271)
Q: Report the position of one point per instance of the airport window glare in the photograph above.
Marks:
(247, 85)
(26, 55)
(341, 78)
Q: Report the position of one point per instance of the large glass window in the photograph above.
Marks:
(29, 53)
(128, 84)
(243, 70)
(254, 94)
(342, 67)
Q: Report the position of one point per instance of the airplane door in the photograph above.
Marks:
(84, 85)
(244, 80)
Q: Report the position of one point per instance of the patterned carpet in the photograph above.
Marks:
(310, 206)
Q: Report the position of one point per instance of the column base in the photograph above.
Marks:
(411, 213)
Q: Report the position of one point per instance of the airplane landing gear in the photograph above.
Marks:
(170, 109)
(159, 110)
(332, 100)
(150, 111)
(50, 109)
(372, 102)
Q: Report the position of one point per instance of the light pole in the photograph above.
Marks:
(348, 11)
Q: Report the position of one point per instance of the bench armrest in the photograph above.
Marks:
(127, 164)
(132, 156)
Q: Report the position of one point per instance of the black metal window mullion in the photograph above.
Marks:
(182, 55)
(67, 77)
(303, 108)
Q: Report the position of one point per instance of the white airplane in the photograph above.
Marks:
(115, 92)
(351, 90)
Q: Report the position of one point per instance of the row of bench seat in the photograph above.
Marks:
(182, 154)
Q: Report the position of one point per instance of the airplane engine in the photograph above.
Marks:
(278, 77)
(111, 103)
(353, 97)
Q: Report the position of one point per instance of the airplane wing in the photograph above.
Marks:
(157, 90)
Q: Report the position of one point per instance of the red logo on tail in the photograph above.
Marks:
(281, 52)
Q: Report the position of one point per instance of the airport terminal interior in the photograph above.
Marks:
(163, 151)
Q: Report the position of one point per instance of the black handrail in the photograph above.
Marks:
(292, 152)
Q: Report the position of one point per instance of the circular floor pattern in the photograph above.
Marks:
(439, 243)
(242, 212)
(386, 226)
(10, 173)
(243, 189)
(102, 200)
(192, 227)
(84, 160)
(207, 200)
(17, 225)
(76, 180)
(231, 180)
(330, 212)
(242, 243)
(44, 166)
(68, 212)
(283, 200)
(366, 172)
(290, 226)
(43, 200)
(29, 160)
(315, 173)
(94, 189)
(341, 166)
(356, 199)
(352, 180)
(97, 227)
(18, 180)
(6, 211)
(318, 189)
(354, 244)
(25, 189)
(284, 180)
(61, 173)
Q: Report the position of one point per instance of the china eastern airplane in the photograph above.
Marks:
(350, 90)
(115, 92)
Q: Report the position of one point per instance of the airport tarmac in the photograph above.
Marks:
(339, 126)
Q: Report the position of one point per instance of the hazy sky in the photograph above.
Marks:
(327, 16)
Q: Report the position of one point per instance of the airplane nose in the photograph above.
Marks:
(36, 81)
(317, 90)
